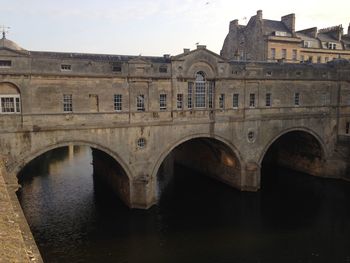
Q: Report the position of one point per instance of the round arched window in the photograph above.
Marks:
(141, 143)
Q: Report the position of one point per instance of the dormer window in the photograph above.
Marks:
(280, 33)
(66, 67)
(5, 63)
(307, 44)
(332, 45)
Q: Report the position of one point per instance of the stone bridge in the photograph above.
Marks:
(222, 118)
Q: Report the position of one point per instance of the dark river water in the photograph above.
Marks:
(293, 218)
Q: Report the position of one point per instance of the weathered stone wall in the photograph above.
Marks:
(16, 241)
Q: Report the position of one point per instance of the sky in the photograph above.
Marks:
(149, 28)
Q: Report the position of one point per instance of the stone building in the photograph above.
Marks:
(219, 116)
(270, 40)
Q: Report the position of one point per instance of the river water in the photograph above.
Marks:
(293, 218)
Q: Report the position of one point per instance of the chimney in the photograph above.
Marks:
(259, 14)
(289, 22)
(186, 50)
(349, 29)
(166, 56)
(233, 24)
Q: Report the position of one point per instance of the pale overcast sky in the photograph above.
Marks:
(133, 27)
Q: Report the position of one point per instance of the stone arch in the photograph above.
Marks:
(203, 66)
(9, 88)
(236, 163)
(24, 160)
(296, 129)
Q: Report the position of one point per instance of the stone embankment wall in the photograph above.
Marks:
(16, 240)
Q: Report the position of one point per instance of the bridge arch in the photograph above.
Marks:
(300, 149)
(228, 156)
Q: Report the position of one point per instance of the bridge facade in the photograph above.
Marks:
(220, 117)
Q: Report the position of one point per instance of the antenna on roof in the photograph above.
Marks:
(5, 30)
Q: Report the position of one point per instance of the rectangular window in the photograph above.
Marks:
(163, 69)
(326, 59)
(179, 101)
(318, 59)
(162, 101)
(222, 101)
(294, 54)
(67, 103)
(296, 99)
(252, 100)
(210, 94)
(268, 100)
(235, 101)
(284, 53)
(332, 45)
(140, 102)
(347, 128)
(116, 67)
(66, 67)
(118, 102)
(302, 58)
(5, 63)
(10, 104)
(189, 95)
(273, 53)
(200, 94)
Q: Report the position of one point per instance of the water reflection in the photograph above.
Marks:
(294, 218)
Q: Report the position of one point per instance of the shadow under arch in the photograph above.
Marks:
(197, 151)
(298, 149)
(108, 168)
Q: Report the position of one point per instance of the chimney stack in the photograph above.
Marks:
(259, 14)
(289, 22)
(233, 24)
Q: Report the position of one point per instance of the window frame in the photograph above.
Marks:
(162, 101)
(297, 99)
(251, 100)
(179, 101)
(140, 102)
(67, 103)
(235, 100)
(15, 104)
(268, 101)
(118, 102)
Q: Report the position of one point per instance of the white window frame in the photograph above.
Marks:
(67, 103)
(140, 102)
(15, 104)
(200, 91)
(179, 101)
(118, 102)
(332, 45)
(162, 101)
(190, 95)
(235, 100)
(252, 100)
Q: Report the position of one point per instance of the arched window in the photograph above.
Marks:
(10, 99)
(202, 91)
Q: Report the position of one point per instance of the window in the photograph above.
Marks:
(332, 45)
(235, 98)
(347, 128)
(307, 44)
(222, 101)
(66, 67)
(140, 102)
(318, 59)
(141, 143)
(210, 94)
(118, 100)
(67, 103)
(5, 63)
(268, 100)
(302, 58)
(326, 59)
(163, 69)
(200, 90)
(252, 100)
(179, 101)
(280, 33)
(162, 101)
(190, 94)
(294, 54)
(284, 53)
(116, 67)
(296, 99)
(273, 53)
(10, 104)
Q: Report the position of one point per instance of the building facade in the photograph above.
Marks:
(270, 40)
(197, 108)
